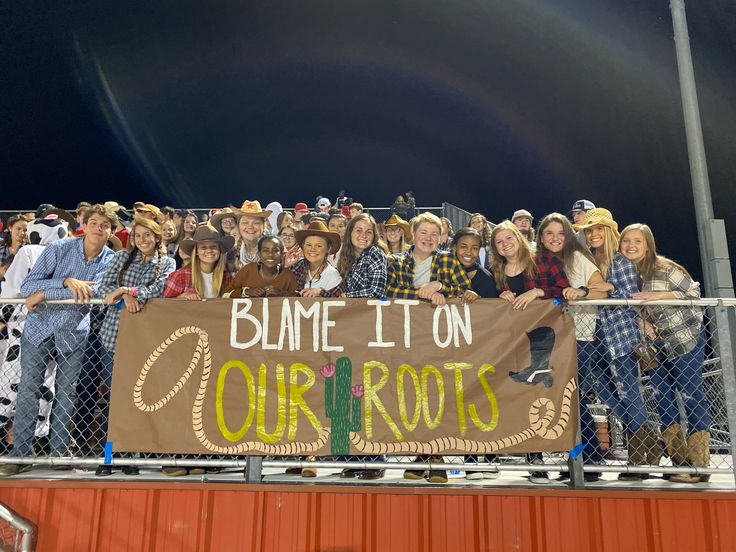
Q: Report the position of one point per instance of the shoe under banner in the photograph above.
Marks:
(293, 376)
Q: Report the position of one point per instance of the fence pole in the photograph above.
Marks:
(253, 469)
(725, 322)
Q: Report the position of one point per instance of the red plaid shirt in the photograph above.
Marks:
(551, 277)
(180, 282)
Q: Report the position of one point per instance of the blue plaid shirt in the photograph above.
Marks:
(68, 324)
(621, 331)
(367, 277)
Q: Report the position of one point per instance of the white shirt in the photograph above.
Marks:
(422, 271)
(329, 278)
(579, 276)
(207, 280)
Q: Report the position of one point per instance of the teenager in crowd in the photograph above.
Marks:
(397, 233)
(362, 267)
(292, 251)
(337, 223)
(301, 215)
(226, 222)
(522, 277)
(523, 220)
(680, 335)
(251, 224)
(399, 206)
(556, 235)
(314, 274)
(267, 277)
(67, 269)
(132, 277)
(185, 230)
(355, 209)
(188, 226)
(616, 337)
(13, 238)
(284, 219)
(480, 224)
(577, 214)
(466, 246)
(425, 272)
(170, 235)
(446, 235)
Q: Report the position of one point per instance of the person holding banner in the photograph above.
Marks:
(617, 336)
(266, 278)
(425, 272)
(132, 278)
(679, 336)
(206, 278)
(315, 276)
(556, 235)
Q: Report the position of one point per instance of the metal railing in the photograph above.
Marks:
(17, 533)
(615, 406)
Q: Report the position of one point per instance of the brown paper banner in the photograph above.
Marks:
(345, 376)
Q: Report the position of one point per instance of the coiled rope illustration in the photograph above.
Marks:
(202, 351)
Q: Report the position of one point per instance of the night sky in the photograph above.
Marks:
(492, 105)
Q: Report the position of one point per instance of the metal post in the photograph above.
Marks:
(575, 465)
(253, 468)
(724, 320)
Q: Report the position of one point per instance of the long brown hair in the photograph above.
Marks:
(7, 240)
(571, 245)
(485, 235)
(651, 260)
(154, 227)
(498, 261)
(348, 254)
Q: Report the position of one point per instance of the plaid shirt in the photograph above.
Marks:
(180, 282)
(445, 269)
(620, 328)
(301, 269)
(678, 327)
(367, 277)
(68, 324)
(551, 278)
(138, 275)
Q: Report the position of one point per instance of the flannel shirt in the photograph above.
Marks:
(301, 270)
(68, 324)
(367, 277)
(678, 327)
(620, 328)
(445, 269)
(138, 275)
(551, 278)
(180, 281)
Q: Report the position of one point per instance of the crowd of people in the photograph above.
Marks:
(54, 357)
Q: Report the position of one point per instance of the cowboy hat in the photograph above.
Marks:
(203, 233)
(158, 216)
(252, 209)
(396, 220)
(318, 228)
(63, 215)
(596, 216)
(114, 243)
(216, 219)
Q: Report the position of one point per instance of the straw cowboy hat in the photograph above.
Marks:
(206, 232)
(158, 216)
(596, 216)
(318, 228)
(396, 220)
(252, 209)
(216, 219)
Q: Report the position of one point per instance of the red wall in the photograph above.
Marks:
(204, 517)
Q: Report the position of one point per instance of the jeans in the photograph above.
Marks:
(587, 356)
(617, 385)
(97, 365)
(33, 361)
(683, 374)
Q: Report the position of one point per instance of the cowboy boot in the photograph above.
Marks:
(653, 447)
(674, 442)
(638, 451)
(541, 343)
(698, 446)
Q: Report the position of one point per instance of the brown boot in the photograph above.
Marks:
(653, 447)
(639, 443)
(698, 447)
(674, 442)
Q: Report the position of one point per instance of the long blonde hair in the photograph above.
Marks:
(651, 260)
(218, 273)
(604, 255)
(498, 261)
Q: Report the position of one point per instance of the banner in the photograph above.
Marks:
(293, 376)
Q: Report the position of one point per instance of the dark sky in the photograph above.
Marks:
(493, 105)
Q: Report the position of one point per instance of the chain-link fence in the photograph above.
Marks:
(658, 404)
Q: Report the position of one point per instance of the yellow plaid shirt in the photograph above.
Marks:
(445, 269)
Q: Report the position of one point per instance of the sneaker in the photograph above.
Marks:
(414, 475)
(293, 471)
(348, 473)
(174, 471)
(14, 469)
(473, 476)
(131, 470)
(308, 472)
(437, 476)
(197, 471)
(493, 473)
(540, 478)
(103, 471)
(371, 474)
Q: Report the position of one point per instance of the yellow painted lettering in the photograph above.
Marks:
(482, 371)
(371, 399)
(432, 423)
(278, 433)
(458, 368)
(219, 392)
(296, 400)
(400, 373)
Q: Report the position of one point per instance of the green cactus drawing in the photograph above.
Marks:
(344, 412)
